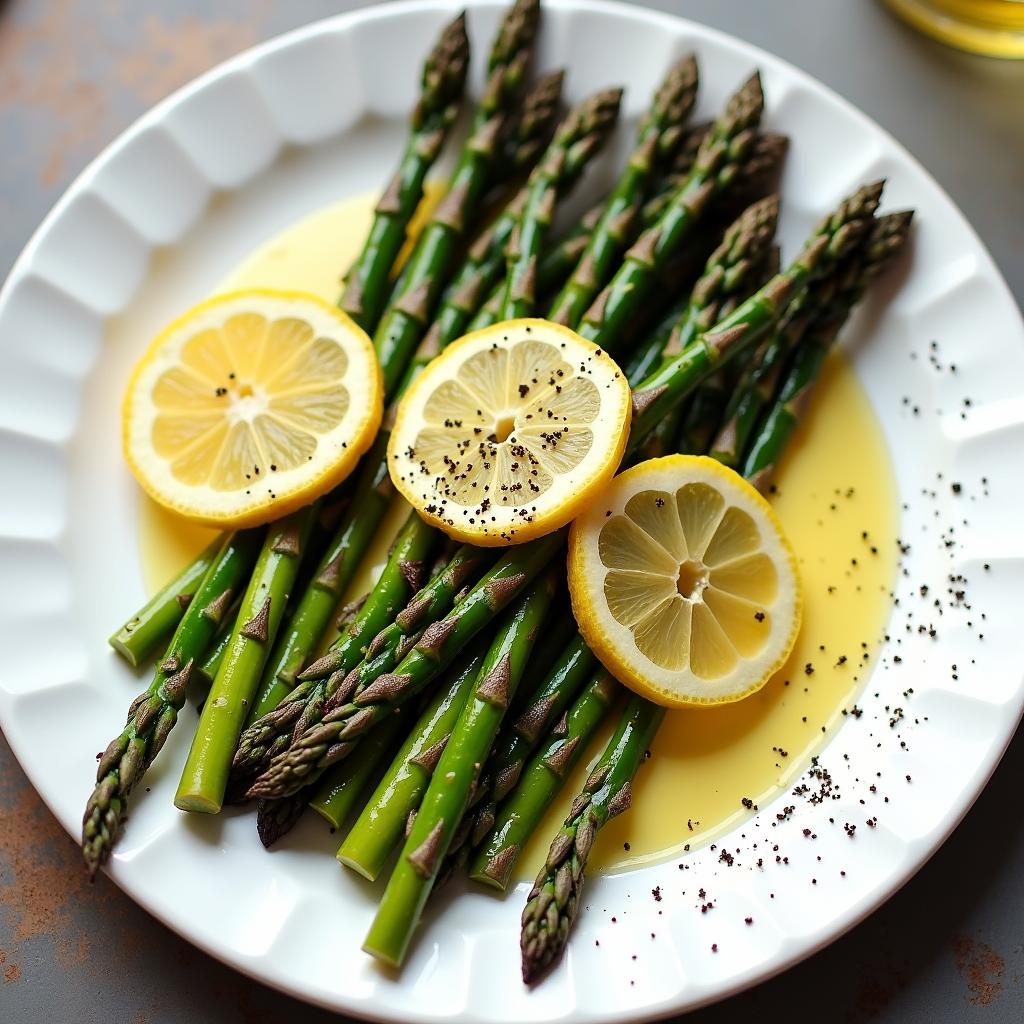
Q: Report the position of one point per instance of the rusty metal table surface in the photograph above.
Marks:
(949, 947)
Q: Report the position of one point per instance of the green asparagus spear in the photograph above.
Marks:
(444, 77)
(154, 712)
(887, 239)
(424, 277)
(721, 155)
(206, 671)
(377, 692)
(204, 778)
(140, 637)
(554, 268)
(554, 899)
(545, 706)
(541, 781)
(659, 135)
(457, 769)
(382, 822)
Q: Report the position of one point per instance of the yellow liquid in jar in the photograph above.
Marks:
(706, 761)
(994, 28)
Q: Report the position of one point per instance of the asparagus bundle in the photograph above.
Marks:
(446, 797)
(659, 136)
(424, 277)
(726, 279)
(752, 319)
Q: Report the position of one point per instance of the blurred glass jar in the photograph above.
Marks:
(992, 27)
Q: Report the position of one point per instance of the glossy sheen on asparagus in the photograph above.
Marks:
(141, 636)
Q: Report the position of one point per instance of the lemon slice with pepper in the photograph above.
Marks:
(683, 582)
(510, 432)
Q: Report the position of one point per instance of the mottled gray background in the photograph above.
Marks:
(73, 73)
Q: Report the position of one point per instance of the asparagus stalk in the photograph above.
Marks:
(485, 262)
(554, 899)
(140, 637)
(659, 135)
(555, 266)
(377, 691)
(541, 781)
(424, 277)
(383, 820)
(577, 139)
(400, 578)
(457, 769)
(153, 713)
(204, 778)
(721, 155)
(367, 284)
(345, 786)
(887, 239)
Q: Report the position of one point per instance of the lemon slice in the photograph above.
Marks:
(510, 432)
(683, 582)
(251, 405)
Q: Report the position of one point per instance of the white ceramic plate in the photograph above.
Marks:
(318, 114)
